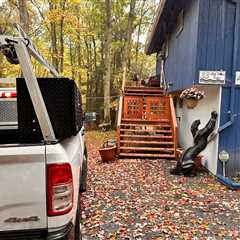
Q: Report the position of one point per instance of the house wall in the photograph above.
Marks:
(182, 50)
(216, 36)
(202, 112)
(210, 40)
(230, 138)
(219, 49)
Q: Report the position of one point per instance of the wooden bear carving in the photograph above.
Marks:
(186, 164)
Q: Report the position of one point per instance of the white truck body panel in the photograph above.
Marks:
(23, 182)
(70, 150)
(22, 188)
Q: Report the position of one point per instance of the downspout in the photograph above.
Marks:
(235, 50)
(163, 83)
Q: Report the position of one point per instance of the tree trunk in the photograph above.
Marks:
(127, 49)
(71, 56)
(79, 60)
(139, 31)
(53, 34)
(107, 54)
(23, 15)
(63, 3)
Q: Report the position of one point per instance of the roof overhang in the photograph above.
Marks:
(164, 23)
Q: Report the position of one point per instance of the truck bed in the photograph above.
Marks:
(9, 136)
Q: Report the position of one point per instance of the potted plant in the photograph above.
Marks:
(108, 150)
(191, 96)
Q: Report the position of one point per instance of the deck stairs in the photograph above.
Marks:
(147, 126)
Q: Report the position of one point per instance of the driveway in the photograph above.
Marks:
(139, 199)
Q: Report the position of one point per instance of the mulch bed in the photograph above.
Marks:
(139, 199)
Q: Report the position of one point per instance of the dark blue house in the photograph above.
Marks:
(197, 43)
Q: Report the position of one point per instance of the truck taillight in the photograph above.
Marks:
(60, 189)
(12, 94)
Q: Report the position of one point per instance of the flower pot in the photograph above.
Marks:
(108, 154)
(191, 103)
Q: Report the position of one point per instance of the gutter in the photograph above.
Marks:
(155, 24)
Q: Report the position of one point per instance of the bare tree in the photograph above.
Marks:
(53, 34)
(61, 38)
(127, 49)
(23, 15)
(139, 29)
(107, 54)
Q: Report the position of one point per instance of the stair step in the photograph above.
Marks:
(146, 142)
(147, 155)
(143, 87)
(145, 131)
(147, 149)
(145, 120)
(146, 136)
(143, 94)
(144, 125)
(143, 90)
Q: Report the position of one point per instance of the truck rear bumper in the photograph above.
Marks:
(64, 233)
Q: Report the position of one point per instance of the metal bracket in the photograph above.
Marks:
(34, 91)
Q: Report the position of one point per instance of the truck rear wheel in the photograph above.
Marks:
(83, 180)
(77, 230)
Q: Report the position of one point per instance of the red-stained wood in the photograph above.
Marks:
(119, 123)
(147, 125)
(174, 125)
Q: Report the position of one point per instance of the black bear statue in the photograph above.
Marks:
(186, 165)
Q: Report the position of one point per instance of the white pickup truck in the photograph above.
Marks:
(40, 183)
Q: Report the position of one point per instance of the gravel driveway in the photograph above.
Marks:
(139, 199)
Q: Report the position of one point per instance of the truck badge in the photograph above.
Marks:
(22, 220)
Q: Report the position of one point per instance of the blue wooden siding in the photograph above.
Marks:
(210, 40)
(216, 36)
(230, 138)
(181, 61)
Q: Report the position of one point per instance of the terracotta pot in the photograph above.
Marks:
(191, 103)
(108, 154)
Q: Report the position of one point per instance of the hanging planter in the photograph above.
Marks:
(192, 96)
(191, 103)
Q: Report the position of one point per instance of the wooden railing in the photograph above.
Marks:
(120, 110)
(174, 125)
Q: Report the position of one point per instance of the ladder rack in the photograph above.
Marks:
(24, 49)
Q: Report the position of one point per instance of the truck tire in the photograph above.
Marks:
(77, 230)
(83, 183)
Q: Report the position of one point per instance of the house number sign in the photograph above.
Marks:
(212, 77)
(237, 81)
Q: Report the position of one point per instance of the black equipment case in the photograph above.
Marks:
(63, 103)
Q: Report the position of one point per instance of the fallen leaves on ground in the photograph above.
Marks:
(139, 199)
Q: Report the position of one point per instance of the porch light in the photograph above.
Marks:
(224, 158)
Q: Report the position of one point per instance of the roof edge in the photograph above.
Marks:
(154, 27)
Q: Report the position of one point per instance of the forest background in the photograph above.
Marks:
(98, 43)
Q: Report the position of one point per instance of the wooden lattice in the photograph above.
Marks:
(133, 107)
(157, 108)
